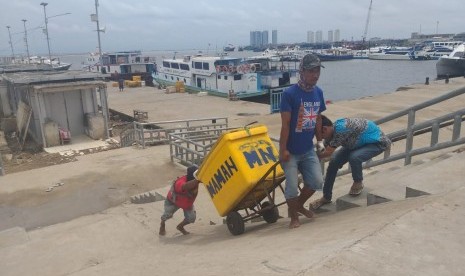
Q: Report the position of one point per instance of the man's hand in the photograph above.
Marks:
(284, 155)
(320, 147)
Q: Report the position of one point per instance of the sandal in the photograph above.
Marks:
(357, 190)
(318, 203)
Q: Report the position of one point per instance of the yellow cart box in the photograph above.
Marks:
(237, 161)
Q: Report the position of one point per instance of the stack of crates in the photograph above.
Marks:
(180, 88)
(135, 82)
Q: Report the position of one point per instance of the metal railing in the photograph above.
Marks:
(275, 100)
(191, 147)
(153, 133)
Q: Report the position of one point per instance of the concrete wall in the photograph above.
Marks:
(5, 109)
(51, 134)
(95, 126)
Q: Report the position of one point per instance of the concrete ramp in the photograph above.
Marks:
(13, 236)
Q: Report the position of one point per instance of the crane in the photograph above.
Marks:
(367, 23)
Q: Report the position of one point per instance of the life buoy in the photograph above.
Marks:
(252, 68)
(239, 69)
(231, 69)
(246, 68)
(218, 69)
(225, 69)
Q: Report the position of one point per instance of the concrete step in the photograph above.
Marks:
(147, 197)
(394, 184)
(441, 178)
(388, 184)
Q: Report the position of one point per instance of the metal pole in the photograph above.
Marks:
(2, 170)
(98, 35)
(104, 92)
(46, 31)
(11, 44)
(25, 40)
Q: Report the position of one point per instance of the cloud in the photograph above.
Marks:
(180, 24)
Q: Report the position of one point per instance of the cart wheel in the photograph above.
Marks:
(235, 223)
(271, 215)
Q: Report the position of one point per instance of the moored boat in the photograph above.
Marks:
(452, 65)
(229, 48)
(225, 76)
(334, 54)
(110, 62)
(437, 49)
(399, 54)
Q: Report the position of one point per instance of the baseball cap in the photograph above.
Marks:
(190, 172)
(310, 61)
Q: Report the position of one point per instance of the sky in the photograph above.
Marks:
(211, 24)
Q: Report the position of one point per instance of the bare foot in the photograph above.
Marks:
(182, 230)
(305, 212)
(294, 223)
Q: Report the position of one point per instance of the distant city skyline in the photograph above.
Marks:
(176, 25)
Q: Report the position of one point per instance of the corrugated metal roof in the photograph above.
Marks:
(50, 76)
(68, 86)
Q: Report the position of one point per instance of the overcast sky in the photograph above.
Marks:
(186, 24)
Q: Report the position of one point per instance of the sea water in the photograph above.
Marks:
(340, 80)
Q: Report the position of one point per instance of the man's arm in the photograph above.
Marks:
(284, 135)
(318, 127)
(191, 185)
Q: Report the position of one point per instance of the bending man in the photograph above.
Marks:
(360, 140)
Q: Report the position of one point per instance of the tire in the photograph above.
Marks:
(235, 223)
(271, 215)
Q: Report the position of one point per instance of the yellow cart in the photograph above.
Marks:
(241, 173)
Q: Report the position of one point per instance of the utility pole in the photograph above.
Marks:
(11, 44)
(46, 31)
(103, 95)
(98, 35)
(25, 41)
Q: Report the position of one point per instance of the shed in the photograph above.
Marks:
(46, 102)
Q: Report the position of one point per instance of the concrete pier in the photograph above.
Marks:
(88, 226)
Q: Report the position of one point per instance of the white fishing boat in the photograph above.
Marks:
(225, 76)
(111, 62)
(54, 64)
(399, 53)
(437, 49)
(452, 65)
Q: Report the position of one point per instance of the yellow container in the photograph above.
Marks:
(114, 84)
(136, 78)
(134, 84)
(237, 161)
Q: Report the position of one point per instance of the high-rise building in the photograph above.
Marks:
(319, 37)
(256, 39)
(260, 38)
(330, 36)
(337, 35)
(264, 38)
(310, 37)
(274, 37)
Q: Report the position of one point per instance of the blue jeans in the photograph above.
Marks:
(355, 157)
(308, 164)
(171, 208)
